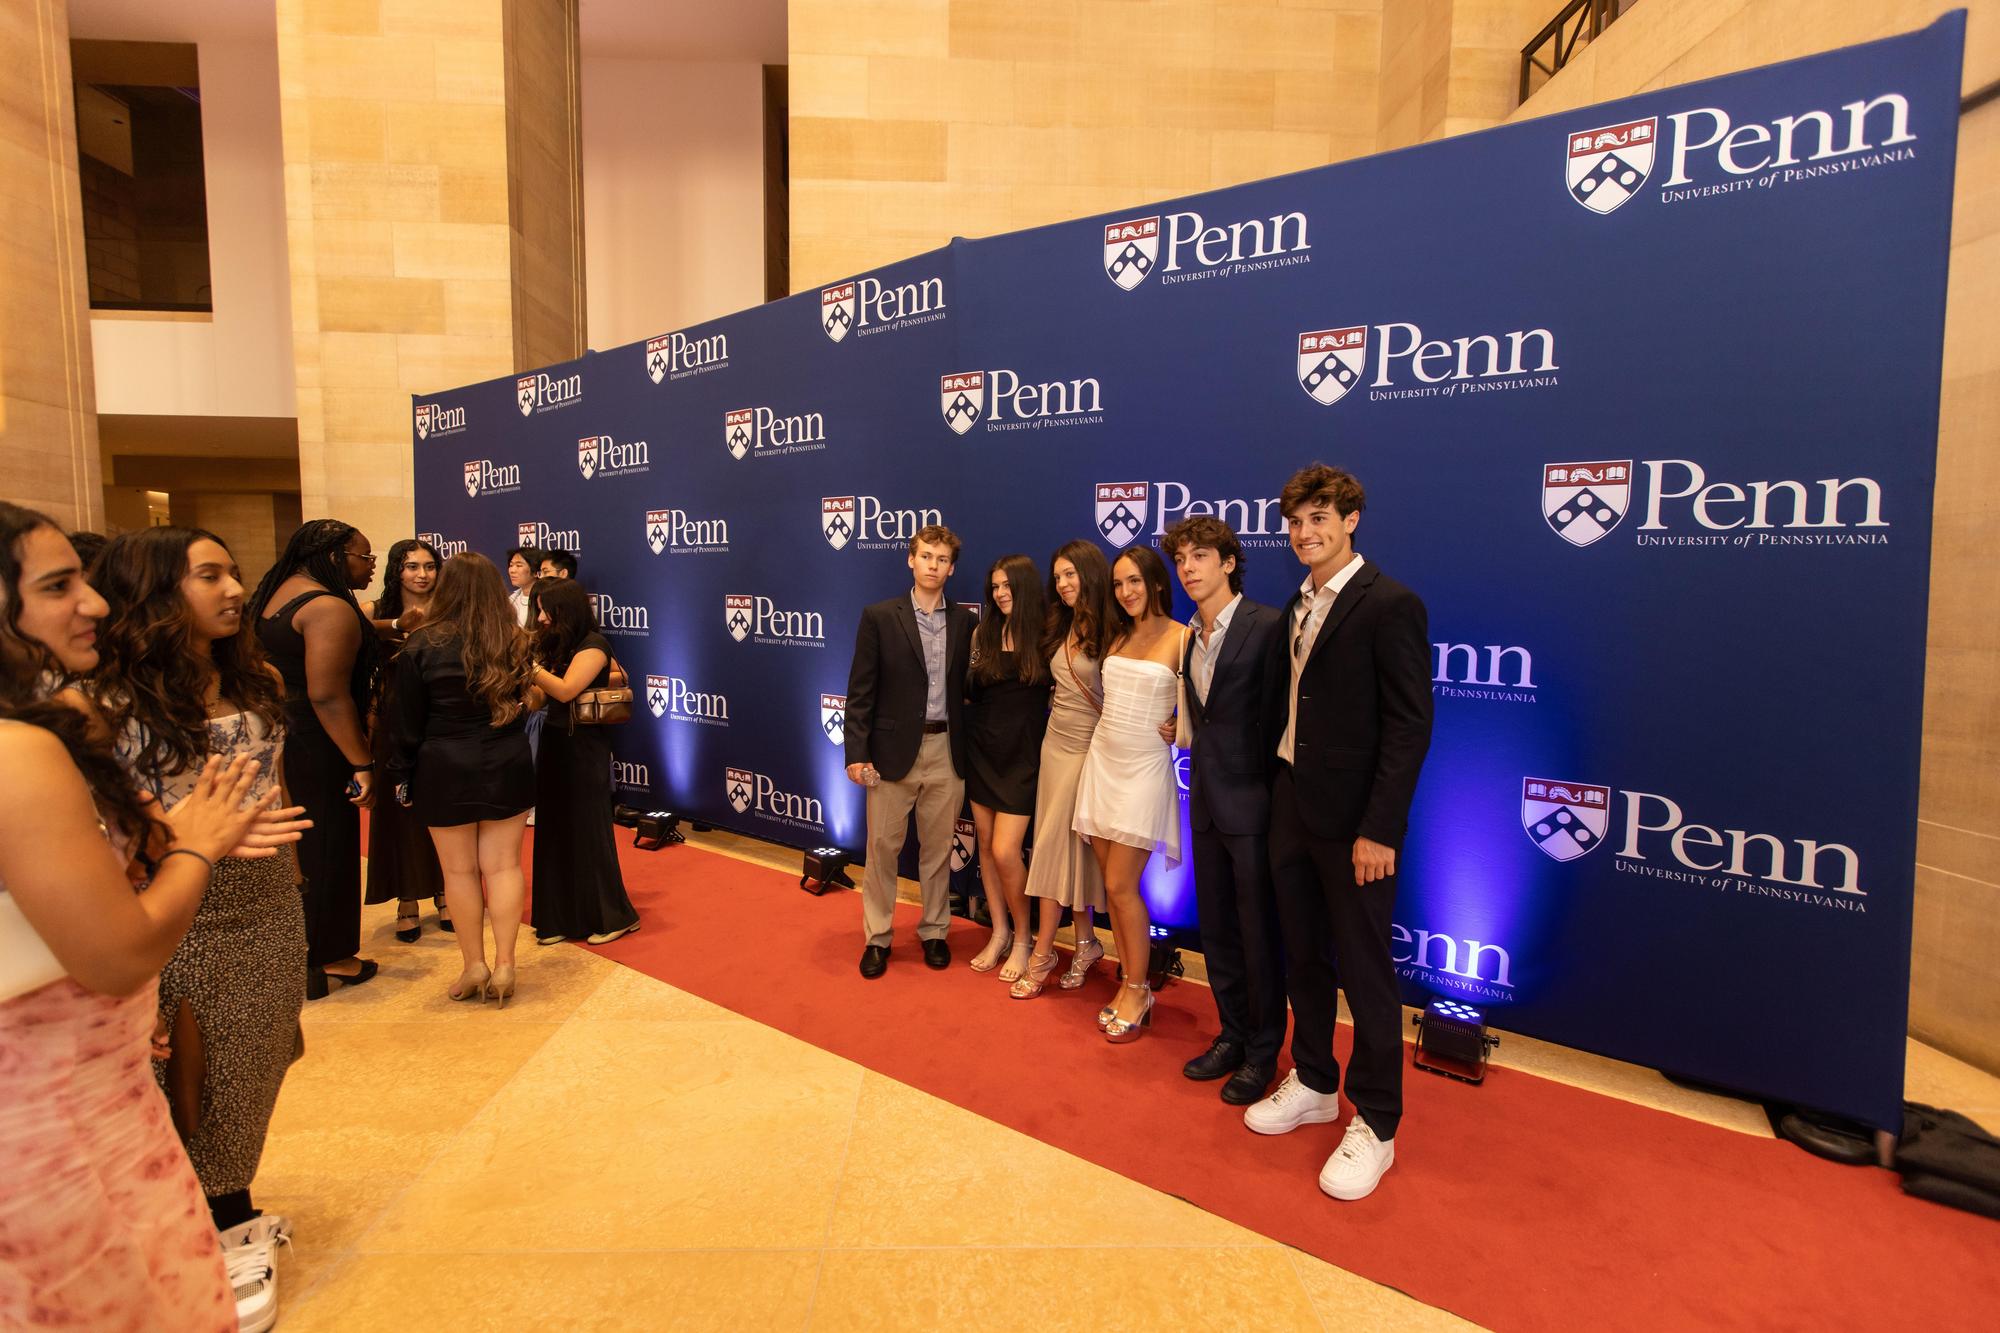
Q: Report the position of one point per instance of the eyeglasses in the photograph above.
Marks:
(371, 557)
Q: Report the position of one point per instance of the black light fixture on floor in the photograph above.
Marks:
(1163, 962)
(1452, 1040)
(825, 868)
(651, 829)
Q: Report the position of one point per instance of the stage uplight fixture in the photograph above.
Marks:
(1163, 962)
(1452, 1040)
(825, 868)
(651, 829)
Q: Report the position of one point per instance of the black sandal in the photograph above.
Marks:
(320, 983)
(444, 921)
(409, 925)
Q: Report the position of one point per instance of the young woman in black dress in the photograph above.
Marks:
(579, 892)
(1007, 711)
(461, 761)
(402, 864)
(314, 632)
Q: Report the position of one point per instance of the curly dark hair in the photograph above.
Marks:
(1316, 484)
(1206, 530)
(149, 672)
(26, 667)
(1092, 615)
(390, 604)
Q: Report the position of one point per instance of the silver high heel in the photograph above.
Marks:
(1110, 1011)
(977, 962)
(1086, 957)
(1120, 1030)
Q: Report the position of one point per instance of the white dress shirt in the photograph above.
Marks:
(1307, 621)
(519, 597)
(1202, 657)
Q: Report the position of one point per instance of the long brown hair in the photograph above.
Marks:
(1159, 592)
(25, 665)
(469, 605)
(1091, 617)
(1027, 619)
(148, 672)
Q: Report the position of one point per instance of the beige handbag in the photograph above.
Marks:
(605, 706)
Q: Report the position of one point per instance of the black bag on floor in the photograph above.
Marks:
(1947, 1158)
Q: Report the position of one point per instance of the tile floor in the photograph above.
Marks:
(614, 1152)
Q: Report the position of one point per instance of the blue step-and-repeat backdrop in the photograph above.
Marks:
(1645, 398)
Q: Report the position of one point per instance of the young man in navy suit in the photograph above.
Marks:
(1227, 676)
(1352, 714)
(905, 741)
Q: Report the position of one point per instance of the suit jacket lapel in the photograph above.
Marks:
(1241, 625)
(906, 616)
(1349, 598)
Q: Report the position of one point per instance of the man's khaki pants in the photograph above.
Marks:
(936, 791)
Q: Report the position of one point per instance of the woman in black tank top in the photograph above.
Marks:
(313, 631)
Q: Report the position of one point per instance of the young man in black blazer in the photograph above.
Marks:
(905, 740)
(1226, 677)
(1353, 718)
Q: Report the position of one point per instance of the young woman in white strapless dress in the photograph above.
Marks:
(1126, 803)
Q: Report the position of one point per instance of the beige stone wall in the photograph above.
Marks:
(1451, 66)
(410, 271)
(1954, 985)
(48, 421)
(916, 120)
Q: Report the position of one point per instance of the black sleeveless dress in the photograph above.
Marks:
(461, 768)
(1005, 721)
(316, 777)
(578, 889)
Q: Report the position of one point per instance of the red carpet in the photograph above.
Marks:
(1519, 1204)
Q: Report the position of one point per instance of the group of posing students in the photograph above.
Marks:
(182, 766)
(1058, 709)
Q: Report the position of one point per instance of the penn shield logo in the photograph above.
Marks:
(836, 311)
(677, 356)
(546, 538)
(586, 455)
(485, 477)
(833, 717)
(543, 392)
(1331, 362)
(738, 615)
(836, 520)
(738, 429)
(740, 786)
(962, 398)
(1131, 248)
(1564, 819)
(446, 547)
(964, 844)
(1607, 165)
(433, 419)
(658, 690)
(1121, 510)
(1584, 501)
(524, 394)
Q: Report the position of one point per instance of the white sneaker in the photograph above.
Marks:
(1291, 1105)
(253, 1272)
(1357, 1165)
(263, 1229)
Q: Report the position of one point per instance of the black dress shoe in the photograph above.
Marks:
(937, 954)
(1222, 1058)
(874, 960)
(1247, 1085)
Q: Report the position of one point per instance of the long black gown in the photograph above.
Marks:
(578, 890)
(316, 777)
(402, 859)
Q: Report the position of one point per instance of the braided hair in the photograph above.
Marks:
(317, 552)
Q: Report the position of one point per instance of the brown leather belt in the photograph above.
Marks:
(934, 728)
